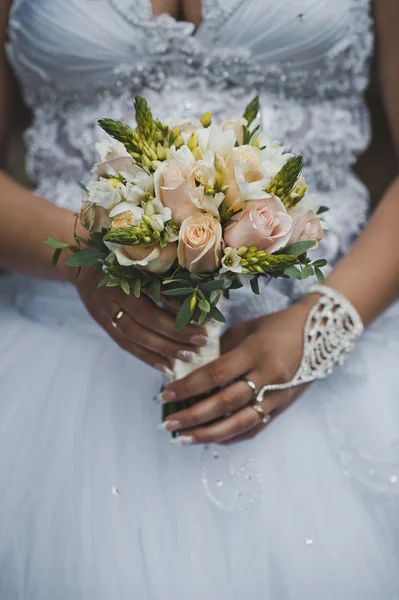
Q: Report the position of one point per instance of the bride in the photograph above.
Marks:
(95, 502)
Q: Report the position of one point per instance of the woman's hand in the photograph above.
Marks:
(144, 330)
(266, 350)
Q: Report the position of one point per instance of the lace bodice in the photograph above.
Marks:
(79, 60)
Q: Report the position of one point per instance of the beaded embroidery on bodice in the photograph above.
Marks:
(80, 60)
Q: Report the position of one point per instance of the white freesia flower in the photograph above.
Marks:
(213, 138)
(207, 203)
(273, 156)
(248, 191)
(104, 193)
(231, 261)
(184, 154)
(131, 207)
(161, 210)
(205, 171)
(134, 193)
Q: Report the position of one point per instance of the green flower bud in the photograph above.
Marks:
(206, 119)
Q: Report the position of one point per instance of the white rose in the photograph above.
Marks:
(110, 150)
(237, 126)
(273, 157)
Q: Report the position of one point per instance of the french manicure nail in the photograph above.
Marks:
(199, 340)
(165, 396)
(182, 440)
(170, 426)
(190, 357)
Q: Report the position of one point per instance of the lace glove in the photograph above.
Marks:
(331, 331)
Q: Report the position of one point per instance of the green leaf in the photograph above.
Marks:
(322, 210)
(307, 271)
(252, 110)
(298, 248)
(178, 292)
(56, 256)
(319, 275)
(204, 305)
(184, 315)
(125, 286)
(82, 186)
(113, 283)
(322, 262)
(81, 240)
(104, 280)
(202, 317)
(52, 243)
(171, 280)
(96, 239)
(255, 285)
(293, 272)
(137, 287)
(156, 289)
(85, 258)
(209, 286)
(217, 315)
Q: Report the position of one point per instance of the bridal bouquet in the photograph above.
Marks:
(191, 209)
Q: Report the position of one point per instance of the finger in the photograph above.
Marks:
(225, 402)
(238, 424)
(213, 375)
(150, 358)
(138, 334)
(151, 316)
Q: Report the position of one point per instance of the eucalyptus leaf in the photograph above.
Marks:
(322, 262)
(217, 315)
(96, 239)
(125, 286)
(298, 248)
(56, 256)
(104, 280)
(255, 285)
(322, 210)
(137, 287)
(319, 275)
(204, 305)
(209, 286)
(184, 315)
(178, 292)
(293, 272)
(307, 271)
(53, 243)
(113, 283)
(202, 317)
(82, 240)
(156, 289)
(85, 258)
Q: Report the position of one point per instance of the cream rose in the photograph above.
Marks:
(237, 126)
(306, 227)
(200, 244)
(154, 259)
(173, 182)
(264, 224)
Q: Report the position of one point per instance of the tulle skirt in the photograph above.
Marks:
(95, 504)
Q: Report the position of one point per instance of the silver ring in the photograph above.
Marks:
(251, 385)
(117, 317)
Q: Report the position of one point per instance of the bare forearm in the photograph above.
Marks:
(369, 274)
(25, 219)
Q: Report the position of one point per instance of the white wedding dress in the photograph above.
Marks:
(95, 504)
